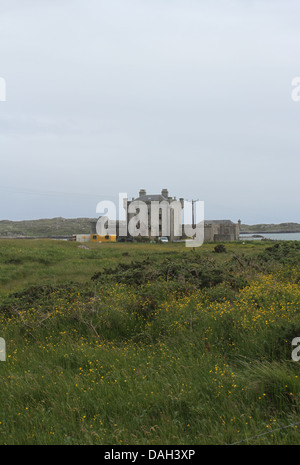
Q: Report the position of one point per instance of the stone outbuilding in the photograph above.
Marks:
(221, 230)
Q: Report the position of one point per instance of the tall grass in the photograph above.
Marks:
(172, 359)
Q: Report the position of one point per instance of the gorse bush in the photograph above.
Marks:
(187, 272)
(283, 252)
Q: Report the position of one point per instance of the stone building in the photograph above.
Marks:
(159, 207)
(221, 230)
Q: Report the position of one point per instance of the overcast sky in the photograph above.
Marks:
(112, 96)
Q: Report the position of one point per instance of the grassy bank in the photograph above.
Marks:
(148, 343)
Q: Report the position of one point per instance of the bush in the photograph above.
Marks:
(220, 248)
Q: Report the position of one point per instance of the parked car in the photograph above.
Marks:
(163, 239)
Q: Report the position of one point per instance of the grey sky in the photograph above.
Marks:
(113, 96)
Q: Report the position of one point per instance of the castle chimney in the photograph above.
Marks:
(165, 193)
(142, 192)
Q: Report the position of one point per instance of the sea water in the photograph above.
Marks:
(274, 236)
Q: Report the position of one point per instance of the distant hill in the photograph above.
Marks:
(45, 227)
(53, 227)
(270, 228)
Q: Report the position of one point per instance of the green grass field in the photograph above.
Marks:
(127, 344)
